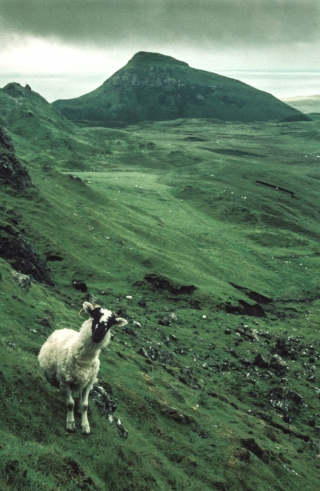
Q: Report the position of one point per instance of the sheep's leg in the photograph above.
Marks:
(80, 401)
(84, 410)
(70, 425)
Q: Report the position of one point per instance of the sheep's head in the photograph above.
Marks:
(102, 320)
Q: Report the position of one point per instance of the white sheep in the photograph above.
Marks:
(70, 359)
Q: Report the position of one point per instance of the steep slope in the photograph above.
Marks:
(25, 110)
(42, 135)
(157, 87)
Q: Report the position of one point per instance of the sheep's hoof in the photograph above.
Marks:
(86, 430)
(71, 426)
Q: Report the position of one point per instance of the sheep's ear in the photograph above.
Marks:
(120, 322)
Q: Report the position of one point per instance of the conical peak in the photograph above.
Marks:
(145, 57)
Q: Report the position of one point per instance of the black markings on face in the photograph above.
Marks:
(101, 327)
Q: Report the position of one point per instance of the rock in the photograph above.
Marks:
(130, 331)
(173, 413)
(167, 319)
(12, 172)
(248, 333)
(253, 447)
(234, 353)
(245, 362)
(107, 407)
(161, 356)
(166, 284)
(280, 398)
(172, 337)
(188, 378)
(267, 360)
(228, 331)
(80, 285)
(23, 280)
(257, 414)
(277, 362)
(19, 252)
(121, 355)
(123, 432)
(312, 378)
(76, 178)
(288, 347)
(103, 400)
(12, 345)
(45, 322)
(180, 351)
(137, 324)
(143, 352)
(262, 360)
(204, 433)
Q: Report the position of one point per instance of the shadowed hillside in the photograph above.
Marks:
(156, 87)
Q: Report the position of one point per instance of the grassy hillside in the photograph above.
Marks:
(159, 88)
(215, 223)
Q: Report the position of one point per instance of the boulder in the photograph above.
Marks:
(262, 360)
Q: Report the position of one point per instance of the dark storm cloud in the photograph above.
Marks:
(108, 22)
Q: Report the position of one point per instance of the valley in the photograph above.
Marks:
(212, 228)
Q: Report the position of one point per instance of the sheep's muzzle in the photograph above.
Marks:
(100, 329)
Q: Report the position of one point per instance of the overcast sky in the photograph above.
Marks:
(66, 48)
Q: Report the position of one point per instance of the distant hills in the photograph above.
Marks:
(305, 104)
(35, 124)
(28, 114)
(155, 87)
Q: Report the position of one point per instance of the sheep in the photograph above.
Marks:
(70, 359)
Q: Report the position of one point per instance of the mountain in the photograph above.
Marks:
(157, 88)
(305, 104)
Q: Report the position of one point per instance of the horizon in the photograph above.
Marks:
(66, 49)
(282, 84)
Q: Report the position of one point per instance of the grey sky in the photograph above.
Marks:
(82, 42)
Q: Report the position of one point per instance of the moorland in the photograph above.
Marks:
(211, 228)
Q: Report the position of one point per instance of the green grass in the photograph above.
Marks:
(153, 87)
(179, 200)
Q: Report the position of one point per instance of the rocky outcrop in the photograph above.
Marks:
(166, 284)
(106, 405)
(12, 172)
(20, 253)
